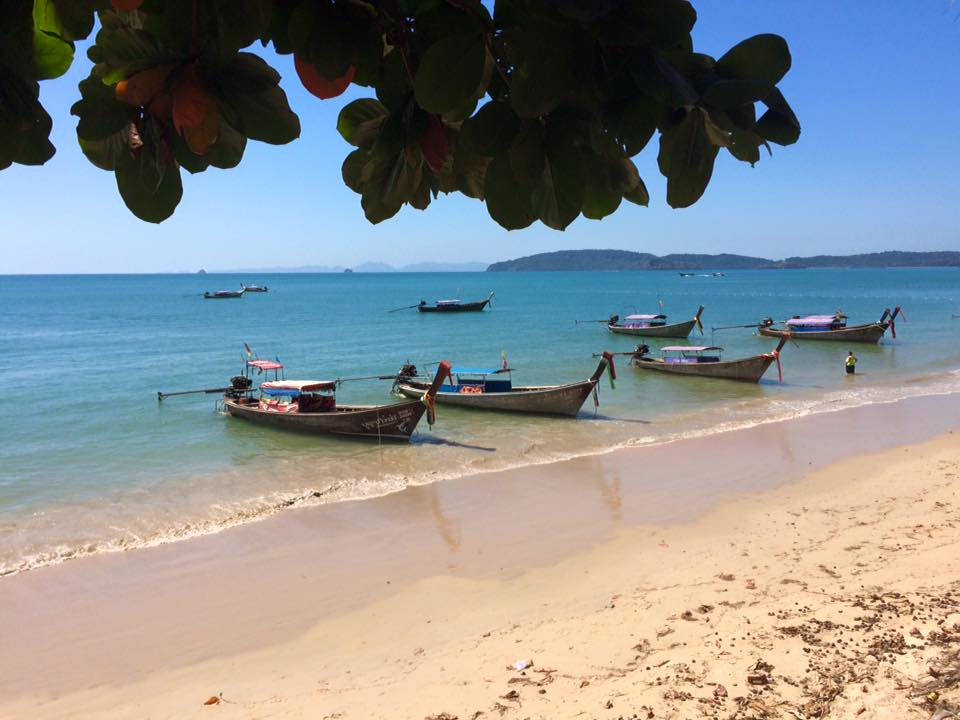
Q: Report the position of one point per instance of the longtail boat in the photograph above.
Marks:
(223, 294)
(493, 389)
(254, 288)
(705, 361)
(654, 325)
(310, 406)
(832, 327)
(454, 306)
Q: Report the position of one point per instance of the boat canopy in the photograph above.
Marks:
(814, 320)
(645, 317)
(477, 371)
(448, 302)
(265, 364)
(690, 348)
(294, 387)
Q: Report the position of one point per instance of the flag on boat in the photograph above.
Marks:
(503, 358)
(249, 351)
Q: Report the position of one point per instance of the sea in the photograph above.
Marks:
(93, 463)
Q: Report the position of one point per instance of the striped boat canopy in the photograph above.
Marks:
(690, 348)
(645, 317)
(295, 387)
(265, 364)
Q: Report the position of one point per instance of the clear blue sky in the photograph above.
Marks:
(873, 83)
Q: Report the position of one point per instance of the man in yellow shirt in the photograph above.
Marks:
(851, 363)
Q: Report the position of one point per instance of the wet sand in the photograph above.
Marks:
(413, 604)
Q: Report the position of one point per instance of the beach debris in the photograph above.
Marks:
(213, 699)
(511, 695)
(522, 665)
(760, 673)
(442, 716)
(687, 615)
(727, 577)
(720, 691)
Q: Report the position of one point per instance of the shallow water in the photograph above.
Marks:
(91, 461)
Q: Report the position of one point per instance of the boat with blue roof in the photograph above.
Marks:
(492, 388)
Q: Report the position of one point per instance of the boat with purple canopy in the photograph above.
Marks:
(831, 327)
(646, 325)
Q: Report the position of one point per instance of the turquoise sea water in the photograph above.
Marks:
(93, 463)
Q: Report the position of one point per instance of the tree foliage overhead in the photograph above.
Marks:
(535, 108)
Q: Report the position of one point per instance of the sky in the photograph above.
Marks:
(874, 85)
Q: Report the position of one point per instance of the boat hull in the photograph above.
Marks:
(676, 330)
(744, 370)
(550, 400)
(384, 422)
(859, 333)
(462, 307)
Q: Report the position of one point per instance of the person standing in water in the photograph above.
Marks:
(851, 363)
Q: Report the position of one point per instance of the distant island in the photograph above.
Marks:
(367, 267)
(565, 260)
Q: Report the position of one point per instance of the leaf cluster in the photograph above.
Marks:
(534, 107)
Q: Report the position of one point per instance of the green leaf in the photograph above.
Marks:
(600, 196)
(544, 68)
(663, 23)
(745, 145)
(241, 22)
(68, 19)
(558, 194)
(352, 169)
(762, 58)
(105, 153)
(527, 154)
(393, 84)
(508, 201)
(253, 102)
(735, 93)
(124, 51)
(101, 114)
(225, 153)
(639, 195)
(492, 130)
(359, 122)
(686, 159)
(450, 73)
(148, 183)
(633, 122)
(24, 124)
(52, 56)
(778, 124)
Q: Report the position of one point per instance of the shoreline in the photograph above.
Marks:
(233, 514)
(120, 620)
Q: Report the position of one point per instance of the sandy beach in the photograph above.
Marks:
(800, 569)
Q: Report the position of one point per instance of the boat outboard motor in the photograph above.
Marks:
(239, 384)
(409, 370)
(766, 322)
(641, 350)
(613, 319)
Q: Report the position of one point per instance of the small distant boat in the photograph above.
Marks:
(493, 389)
(687, 274)
(223, 294)
(705, 361)
(654, 325)
(253, 288)
(310, 406)
(453, 306)
(832, 327)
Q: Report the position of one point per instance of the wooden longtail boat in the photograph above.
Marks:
(453, 306)
(704, 361)
(832, 327)
(254, 288)
(223, 294)
(493, 389)
(310, 406)
(654, 326)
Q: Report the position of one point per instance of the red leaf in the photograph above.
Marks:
(435, 146)
(141, 88)
(189, 100)
(126, 5)
(317, 84)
